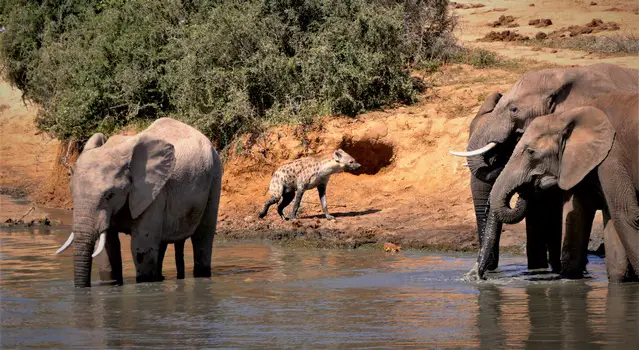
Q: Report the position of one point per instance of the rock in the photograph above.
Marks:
(540, 22)
(392, 248)
(505, 35)
(508, 21)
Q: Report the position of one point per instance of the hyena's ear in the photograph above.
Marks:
(338, 155)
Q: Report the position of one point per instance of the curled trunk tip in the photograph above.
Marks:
(506, 214)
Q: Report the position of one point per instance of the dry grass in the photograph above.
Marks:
(611, 44)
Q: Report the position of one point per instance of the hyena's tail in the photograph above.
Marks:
(270, 184)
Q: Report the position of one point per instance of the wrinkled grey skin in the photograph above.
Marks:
(488, 227)
(161, 186)
(595, 147)
(480, 190)
(535, 94)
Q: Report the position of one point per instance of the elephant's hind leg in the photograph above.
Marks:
(161, 254)
(179, 259)
(202, 239)
(621, 198)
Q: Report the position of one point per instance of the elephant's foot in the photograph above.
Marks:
(571, 274)
(473, 274)
(493, 263)
(201, 271)
(149, 278)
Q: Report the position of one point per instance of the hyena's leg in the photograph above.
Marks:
(287, 198)
(321, 189)
(275, 197)
(298, 199)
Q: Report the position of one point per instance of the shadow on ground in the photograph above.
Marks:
(346, 214)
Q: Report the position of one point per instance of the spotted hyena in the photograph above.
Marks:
(292, 179)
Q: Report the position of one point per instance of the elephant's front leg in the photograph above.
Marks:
(145, 253)
(580, 213)
(109, 263)
(146, 239)
(543, 229)
(617, 264)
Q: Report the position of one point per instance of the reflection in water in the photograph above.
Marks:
(270, 296)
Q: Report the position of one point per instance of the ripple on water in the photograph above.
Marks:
(265, 295)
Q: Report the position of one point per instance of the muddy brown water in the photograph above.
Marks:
(268, 296)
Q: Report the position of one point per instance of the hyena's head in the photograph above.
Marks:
(345, 161)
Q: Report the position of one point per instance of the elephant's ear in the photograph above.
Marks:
(561, 83)
(96, 140)
(587, 140)
(151, 165)
(489, 104)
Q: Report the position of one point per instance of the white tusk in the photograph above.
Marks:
(465, 164)
(476, 152)
(66, 244)
(101, 244)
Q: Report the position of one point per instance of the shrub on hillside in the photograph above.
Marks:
(222, 66)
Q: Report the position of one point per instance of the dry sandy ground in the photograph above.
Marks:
(412, 192)
(26, 157)
(563, 13)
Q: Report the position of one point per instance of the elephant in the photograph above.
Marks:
(160, 186)
(492, 139)
(595, 146)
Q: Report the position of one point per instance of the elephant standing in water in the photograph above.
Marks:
(160, 186)
(564, 148)
(494, 134)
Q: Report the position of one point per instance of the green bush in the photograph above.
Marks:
(223, 66)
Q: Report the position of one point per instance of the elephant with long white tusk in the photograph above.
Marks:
(494, 132)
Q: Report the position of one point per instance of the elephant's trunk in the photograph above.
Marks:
(488, 257)
(503, 190)
(83, 244)
(487, 225)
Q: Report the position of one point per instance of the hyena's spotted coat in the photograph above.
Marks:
(292, 179)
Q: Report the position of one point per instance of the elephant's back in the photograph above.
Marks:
(193, 150)
(188, 187)
(624, 79)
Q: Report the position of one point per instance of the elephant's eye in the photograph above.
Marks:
(109, 196)
(513, 109)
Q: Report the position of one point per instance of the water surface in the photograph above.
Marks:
(264, 295)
